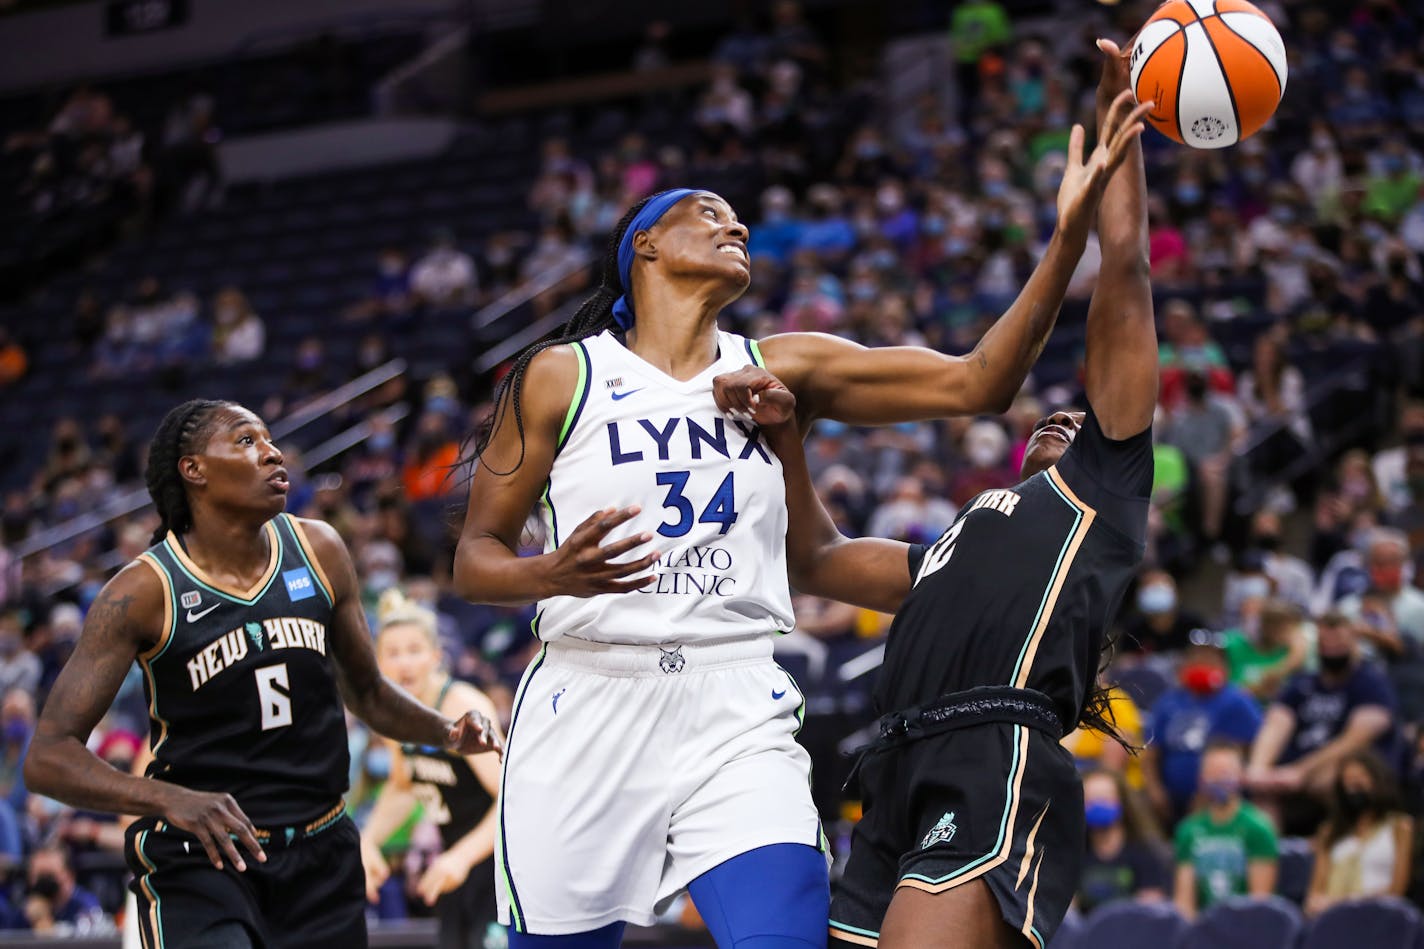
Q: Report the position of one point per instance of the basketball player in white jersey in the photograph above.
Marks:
(652, 745)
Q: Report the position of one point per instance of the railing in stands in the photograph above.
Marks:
(511, 345)
(506, 303)
(137, 499)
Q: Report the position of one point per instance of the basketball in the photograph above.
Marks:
(1216, 70)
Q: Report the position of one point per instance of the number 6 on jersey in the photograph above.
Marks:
(276, 703)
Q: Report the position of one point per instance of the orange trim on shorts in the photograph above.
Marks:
(1002, 854)
(1028, 849)
(1027, 928)
(1046, 614)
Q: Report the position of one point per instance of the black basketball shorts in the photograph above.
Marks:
(310, 893)
(995, 802)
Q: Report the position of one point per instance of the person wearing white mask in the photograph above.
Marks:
(1160, 625)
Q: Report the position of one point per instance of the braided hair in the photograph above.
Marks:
(592, 317)
(1097, 714)
(184, 430)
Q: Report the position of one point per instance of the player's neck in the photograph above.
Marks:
(679, 334)
(228, 547)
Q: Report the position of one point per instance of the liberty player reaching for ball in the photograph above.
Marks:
(652, 747)
(973, 828)
(248, 626)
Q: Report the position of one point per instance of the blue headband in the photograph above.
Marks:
(652, 212)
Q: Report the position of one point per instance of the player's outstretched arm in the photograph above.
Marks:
(835, 378)
(1120, 371)
(129, 615)
(387, 708)
(868, 572)
(504, 487)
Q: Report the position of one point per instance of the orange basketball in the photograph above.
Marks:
(1216, 70)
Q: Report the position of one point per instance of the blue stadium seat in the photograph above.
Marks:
(1129, 925)
(1246, 923)
(1070, 932)
(1361, 923)
(1297, 861)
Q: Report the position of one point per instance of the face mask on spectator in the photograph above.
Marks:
(378, 762)
(1100, 814)
(16, 731)
(1337, 663)
(1202, 678)
(9, 646)
(1220, 792)
(1189, 194)
(46, 886)
(1387, 578)
(382, 441)
(1254, 587)
(1156, 598)
(1269, 542)
(1355, 802)
(379, 581)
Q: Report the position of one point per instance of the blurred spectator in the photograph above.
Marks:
(1206, 432)
(1391, 609)
(1272, 394)
(911, 514)
(1389, 464)
(1366, 847)
(189, 168)
(1260, 664)
(445, 276)
(14, 361)
(1320, 719)
(986, 451)
(1227, 847)
(1204, 708)
(239, 335)
(1093, 749)
(55, 904)
(389, 295)
(1394, 187)
(1125, 857)
(429, 469)
(1160, 624)
(19, 668)
(17, 725)
(1290, 576)
(978, 32)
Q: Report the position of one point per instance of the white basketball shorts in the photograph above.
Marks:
(629, 771)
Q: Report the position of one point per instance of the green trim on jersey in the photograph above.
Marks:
(1052, 579)
(579, 396)
(277, 569)
(754, 348)
(286, 519)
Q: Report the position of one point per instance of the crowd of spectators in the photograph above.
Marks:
(1268, 661)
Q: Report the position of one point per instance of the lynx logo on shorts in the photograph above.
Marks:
(943, 832)
(671, 661)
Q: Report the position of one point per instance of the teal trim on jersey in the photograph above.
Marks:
(754, 348)
(851, 929)
(1048, 587)
(147, 664)
(302, 553)
(516, 916)
(1003, 824)
(281, 552)
(146, 883)
(1037, 935)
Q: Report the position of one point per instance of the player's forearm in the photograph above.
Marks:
(393, 712)
(65, 770)
(1002, 359)
(810, 532)
(487, 571)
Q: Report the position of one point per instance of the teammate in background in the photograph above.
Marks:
(974, 822)
(652, 745)
(458, 791)
(248, 627)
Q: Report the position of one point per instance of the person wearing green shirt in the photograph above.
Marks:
(1227, 847)
(1261, 665)
(977, 27)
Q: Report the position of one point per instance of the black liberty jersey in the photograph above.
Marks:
(241, 689)
(1020, 589)
(445, 783)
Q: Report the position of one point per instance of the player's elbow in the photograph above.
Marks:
(40, 773)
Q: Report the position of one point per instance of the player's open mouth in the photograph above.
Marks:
(279, 481)
(1057, 431)
(734, 250)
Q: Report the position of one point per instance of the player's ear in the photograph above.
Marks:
(190, 468)
(643, 245)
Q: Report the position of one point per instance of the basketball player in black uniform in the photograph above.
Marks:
(249, 630)
(457, 791)
(973, 828)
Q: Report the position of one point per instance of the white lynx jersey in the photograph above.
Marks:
(711, 494)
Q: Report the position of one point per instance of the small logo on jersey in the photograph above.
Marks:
(290, 832)
(943, 832)
(299, 584)
(254, 633)
(623, 395)
(671, 661)
(556, 700)
(613, 383)
(194, 617)
(777, 695)
(190, 599)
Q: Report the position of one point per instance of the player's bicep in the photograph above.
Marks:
(127, 616)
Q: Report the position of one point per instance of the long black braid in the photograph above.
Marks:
(593, 317)
(1097, 714)
(183, 431)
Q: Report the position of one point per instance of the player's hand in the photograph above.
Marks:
(581, 567)
(472, 734)
(214, 819)
(1117, 72)
(755, 395)
(445, 873)
(378, 871)
(1085, 179)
